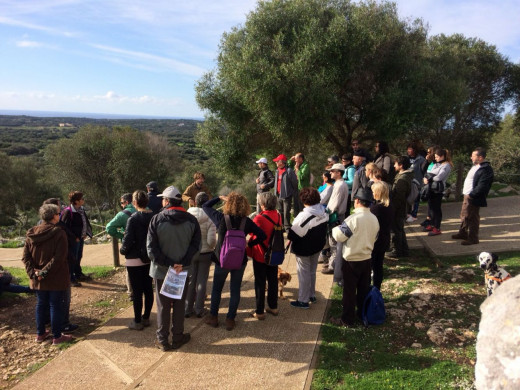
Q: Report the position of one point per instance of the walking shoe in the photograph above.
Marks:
(300, 305)
(145, 322)
(212, 321)
(163, 346)
(411, 219)
(63, 339)
(394, 254)
(43, 337)
(434, 232)
(69, 328)
(274, 312)
(75, 283)
(428, 228)
(468, 242)
(202, 313)
(184, 339)
(340, 322)
(188, 315)
(459, 236)
(426, 222)
(84, 278)
(135, 325)
(260, 317)
(327, 271)
(230, 324)
(313, 299)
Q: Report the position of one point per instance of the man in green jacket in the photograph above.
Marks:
(303, 173)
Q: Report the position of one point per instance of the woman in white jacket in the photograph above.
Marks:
(200, 264)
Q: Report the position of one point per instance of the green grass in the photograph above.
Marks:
(12, 244)
(382, 357)
(103, 303)
(98, 272)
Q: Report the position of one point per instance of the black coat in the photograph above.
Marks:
(134, 240)
(481, 185)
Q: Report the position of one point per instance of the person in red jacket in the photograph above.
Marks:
(263, 272)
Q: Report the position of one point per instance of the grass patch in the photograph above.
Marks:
(382, 357)
(103, 303)
(98, 272)
(12, 244)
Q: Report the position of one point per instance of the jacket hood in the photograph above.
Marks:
(42, 233)
(176, 217)
(316, 210)
(198, 213)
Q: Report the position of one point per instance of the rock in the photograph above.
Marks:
(436, 334)
(416, 346)
(498, 340)
(507, 190)
(419, 325)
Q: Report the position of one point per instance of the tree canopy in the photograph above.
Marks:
(325, 71)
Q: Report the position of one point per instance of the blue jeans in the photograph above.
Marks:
(219, 278)
(77, 250)
(17, 289)
(52, 300)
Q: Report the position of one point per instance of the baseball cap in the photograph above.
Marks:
(281, 157)
(337, 167)
(152, 185)
(262, 160)
(171, 193)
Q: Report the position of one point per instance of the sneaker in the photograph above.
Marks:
(300, 305)
(426, 222)
(340, 322)
(327, 271)
(63, 339)
(434, 232)
(260, 317)
(75, 283)
(273, 312)
(411, 219)
(428, 228)
(188, 315)
(43, 337)
(459, 236)
(202, 313)
(313, 299)
(145, 322)
(212, 321)
(135, 325)
(469, 242)
(163, 346)
(69, 328)
(394, 254)
(184, 339)
(230, 324)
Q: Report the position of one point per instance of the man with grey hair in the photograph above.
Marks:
(264, 181)
(173, 240)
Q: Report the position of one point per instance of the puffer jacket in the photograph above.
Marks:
(208, 230)
(46, 249)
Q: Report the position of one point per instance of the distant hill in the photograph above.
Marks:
(30, 135)
(61, 114)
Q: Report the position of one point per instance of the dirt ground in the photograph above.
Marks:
(91, 305)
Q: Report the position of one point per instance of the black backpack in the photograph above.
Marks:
(275, 253)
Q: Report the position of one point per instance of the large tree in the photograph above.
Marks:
(302, 70)
(105, 162)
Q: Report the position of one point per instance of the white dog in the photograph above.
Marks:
(494, 274)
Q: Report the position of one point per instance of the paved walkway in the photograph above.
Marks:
(276, 353)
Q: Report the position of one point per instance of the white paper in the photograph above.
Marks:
(173, 284)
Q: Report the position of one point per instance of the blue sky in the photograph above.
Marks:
(138, 57)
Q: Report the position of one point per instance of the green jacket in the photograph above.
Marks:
(116, 227)
(303, 174)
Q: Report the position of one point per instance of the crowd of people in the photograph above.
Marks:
(349, 224)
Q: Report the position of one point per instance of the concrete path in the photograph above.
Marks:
(276, 353)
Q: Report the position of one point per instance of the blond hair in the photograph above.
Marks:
(381, 193)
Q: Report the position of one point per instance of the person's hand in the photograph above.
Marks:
(191, 202)
(223, 198)
(257, 180)
(262, 186)
(177, 268)
(293, 158)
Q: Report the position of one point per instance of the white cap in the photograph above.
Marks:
(262, 160)
(171, 193)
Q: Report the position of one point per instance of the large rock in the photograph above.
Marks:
(498, 340)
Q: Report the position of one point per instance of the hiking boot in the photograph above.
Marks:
(434, 232)
(63, 339)
(184, 339)
(260, 317)
(300, 305)
(145, 322)
(459, 236)
(163, 346)
(230, 324)
(327, 271)
(69, 328)
(43, 337)
(313, 299)
(135, 325)
(273, 312)
(469, 242)
(212, 321)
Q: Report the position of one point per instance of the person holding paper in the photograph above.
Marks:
(173, 240)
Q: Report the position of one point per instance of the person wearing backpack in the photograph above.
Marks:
(307, 235)
(234, 214)
(399, 194)
(137, 263)
(266, 220)
(358, 234)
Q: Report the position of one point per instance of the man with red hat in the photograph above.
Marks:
(286, 186)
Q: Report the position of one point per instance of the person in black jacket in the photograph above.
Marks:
(476, 188)
(137, 263)
(154, 203)
(308, 234)
(264, 181)
(237, 207)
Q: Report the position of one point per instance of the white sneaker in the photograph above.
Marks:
(411, 219)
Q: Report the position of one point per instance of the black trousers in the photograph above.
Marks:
(263, 273)
(356, 284)
(434, 206)
(141, 283)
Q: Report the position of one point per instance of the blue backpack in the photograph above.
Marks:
(373, 312)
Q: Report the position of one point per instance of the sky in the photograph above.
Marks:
(144, 58)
